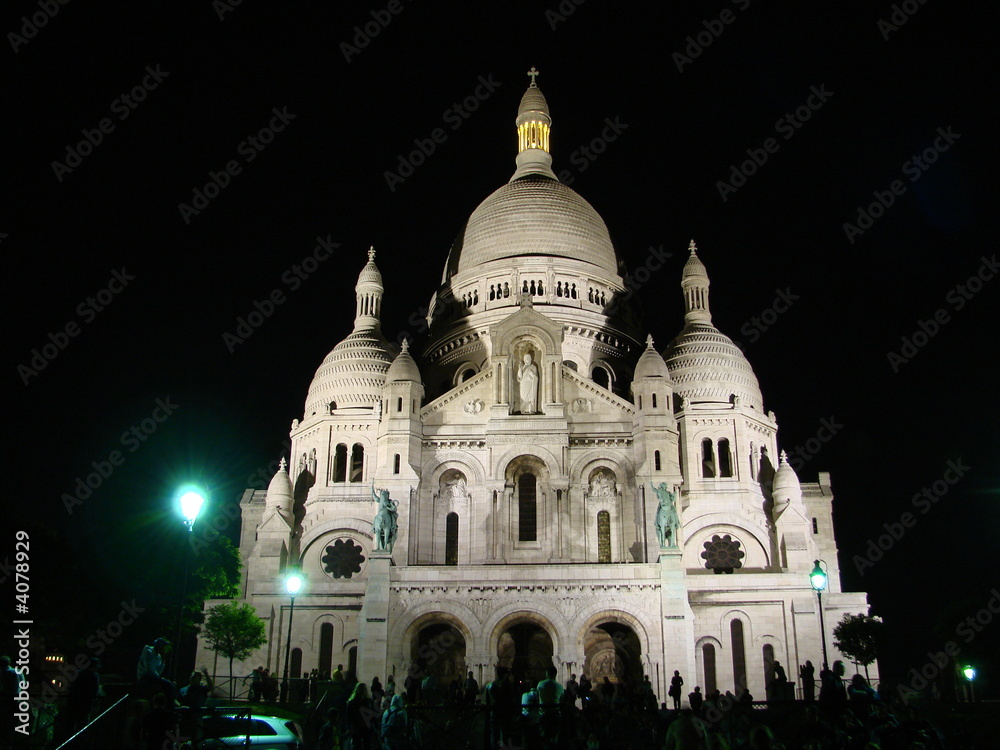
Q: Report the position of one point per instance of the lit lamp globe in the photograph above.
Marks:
(818, 578)
(969, 672)
(190, 503)
(293, 584)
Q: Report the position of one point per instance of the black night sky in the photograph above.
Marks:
(870, 97)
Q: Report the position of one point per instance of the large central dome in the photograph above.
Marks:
(536, 215)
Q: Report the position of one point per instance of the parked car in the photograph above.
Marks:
(265, 732)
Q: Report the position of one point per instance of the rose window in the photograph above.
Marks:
(343, 559)
(723, 554)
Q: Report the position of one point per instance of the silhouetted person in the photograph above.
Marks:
(696, 699)
(149, 671)
(471, 689)
(160, 726)
(831, 688)
(676, 683)
(807, 673)
(359, 712)
(329, 733)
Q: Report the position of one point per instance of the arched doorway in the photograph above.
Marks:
(526, 650)
(439, 649)
(612, 650)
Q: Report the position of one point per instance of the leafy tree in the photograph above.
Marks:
(858, 637)
(235, 631)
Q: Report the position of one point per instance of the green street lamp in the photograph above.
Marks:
(969, 672)
(189, 503)
(818, 580)
(293, 584)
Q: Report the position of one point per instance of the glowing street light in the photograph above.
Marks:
(190, 501)
(969, 672)
(293, 584)
(818, 581)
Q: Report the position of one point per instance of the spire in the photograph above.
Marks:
(694, 283)
(533, 125)
(369, 292)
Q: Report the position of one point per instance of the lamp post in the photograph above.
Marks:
(969, 672)
(817, 579)
(293, 584)
(189, 502)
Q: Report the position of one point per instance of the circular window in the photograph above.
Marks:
(723, 554)
(343, 559)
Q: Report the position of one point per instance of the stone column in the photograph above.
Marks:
(373, 628)
(678, 622)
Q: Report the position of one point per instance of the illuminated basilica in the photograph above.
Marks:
(560, 489)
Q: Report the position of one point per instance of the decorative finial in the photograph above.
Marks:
(525, 300)
(692, 247)
(649, 340)
(282, 465)
(532, 74)
(371, 253)
(783, 457)
(406, 346)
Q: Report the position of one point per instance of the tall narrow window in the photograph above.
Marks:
(526, 508)
(399, 405)
(654, 400)
(767, 656)
(640, 403)
(340, 463)
(815, 526)
(600, 376)
(296, 668)
(325, 648)
(395, 464)
(739, 657)
(707, 459)
(451, 539)
(708, 662)
(725, 459)
(357, 463)
(603, 537)
(656, 460)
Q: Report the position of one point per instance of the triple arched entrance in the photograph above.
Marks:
(527, 645)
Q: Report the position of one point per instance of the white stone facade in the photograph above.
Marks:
(527, 514)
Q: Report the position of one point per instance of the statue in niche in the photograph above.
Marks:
(667, 520)
(527, 378)
(385, 527)
(602, 484)
(455, 488)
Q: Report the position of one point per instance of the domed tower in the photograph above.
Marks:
(533, 237)
(727, 443)
(353, 373)
(400, 428)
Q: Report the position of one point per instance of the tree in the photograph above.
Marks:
(235, 631)
(858, 637)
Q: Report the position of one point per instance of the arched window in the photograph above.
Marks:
(725, 459)
(325, 649)
(707, 459)
(466, 374)
(340, 463)
(399, 404)
(357, 463)
(570, 364)
(739, 657)
(559, 289)
(767, 655)
(708, 662)
(451, 539)
(656, 460)
(654, 400)
(603, 537)
(506, 289)
(295, 670)
(541, 289)
(395, 464)
(526, 508)
(600, 376)
(493, 292)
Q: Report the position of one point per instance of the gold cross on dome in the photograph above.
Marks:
(532, 74)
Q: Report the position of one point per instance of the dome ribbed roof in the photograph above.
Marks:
(706, 365)
(786, 482)
(533, 101)
(403, 367)
(370, 274)
(651, 364)
(352, 374)
(536, 216)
